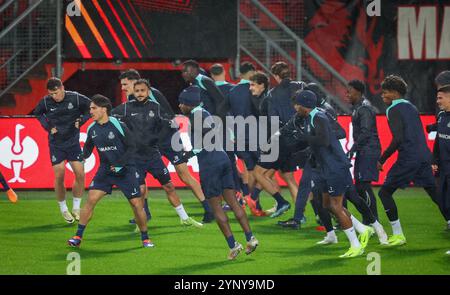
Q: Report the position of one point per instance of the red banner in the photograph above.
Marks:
(25, 160)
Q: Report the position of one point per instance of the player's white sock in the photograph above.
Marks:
(448, 222)
(331, 235)
(396, 227)
(359, 227)
(63, 206)
(377, 226)
(181, 212)
(351, 235)
(76, 203)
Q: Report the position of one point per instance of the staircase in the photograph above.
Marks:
(28, 42)
(264, 39)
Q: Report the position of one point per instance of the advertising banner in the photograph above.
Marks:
(25, 159)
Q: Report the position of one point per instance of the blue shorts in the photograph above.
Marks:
(155, 166)
(250, 158)
(317, 183)
(215, 178)
(284, 163)
(174, 157)
(71, 153)
(366, 168)
(403, 173)
(337, 182)
(127, 183)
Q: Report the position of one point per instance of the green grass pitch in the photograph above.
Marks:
(33, 239)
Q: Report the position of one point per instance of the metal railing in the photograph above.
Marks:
(265, 39)
(27, 36)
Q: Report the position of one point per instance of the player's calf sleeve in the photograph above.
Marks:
(315, 207)
(325, 217)
(324, 214)
(360, 205)
(388, 202)
(437, 199)
(366, 193)
(4, 183)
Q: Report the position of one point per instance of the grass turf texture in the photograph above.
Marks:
(34, 235)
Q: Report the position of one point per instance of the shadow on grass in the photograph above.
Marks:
(208, 267)
(86, 253)
(39, 228)
(317, 266)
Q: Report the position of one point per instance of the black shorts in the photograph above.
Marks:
(155, 166)
(250, 158)
(284, 163)
(127, 183)
(71, 153)
(403, 173)
(366, 168)
(215, 178)
(167, 151)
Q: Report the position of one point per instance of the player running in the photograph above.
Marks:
(142, 116)
(62, 113)
(441, 151)
(332, 162)
(216, 176)
(116, 149)
(414, 158)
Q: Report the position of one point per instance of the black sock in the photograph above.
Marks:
(366, 193)
(80, 230)
(206, 207)
(144, 235)
(280, 200)
(388, 202)
(360, 205)
(255, 194)
(146, 209)
(244, 187)
(258, 205)
(315, 207)
(324, 214)
(4, 182)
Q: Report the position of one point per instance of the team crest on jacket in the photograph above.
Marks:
(111, 135)
(448, 125)
(70, 106)
(151, 114)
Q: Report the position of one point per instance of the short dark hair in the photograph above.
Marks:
(357, 85)
(445, 89)
(260, 78)
(130, 74)
(142, 81)
(216, 69)
(281, 69)
(54, 83)
(320, 95)
(246, 67)
(395, 83)
(443, 78)
(103, 102)
(191, 63)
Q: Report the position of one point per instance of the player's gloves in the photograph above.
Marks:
(431, 127)
(187, 155)
(117, 170)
